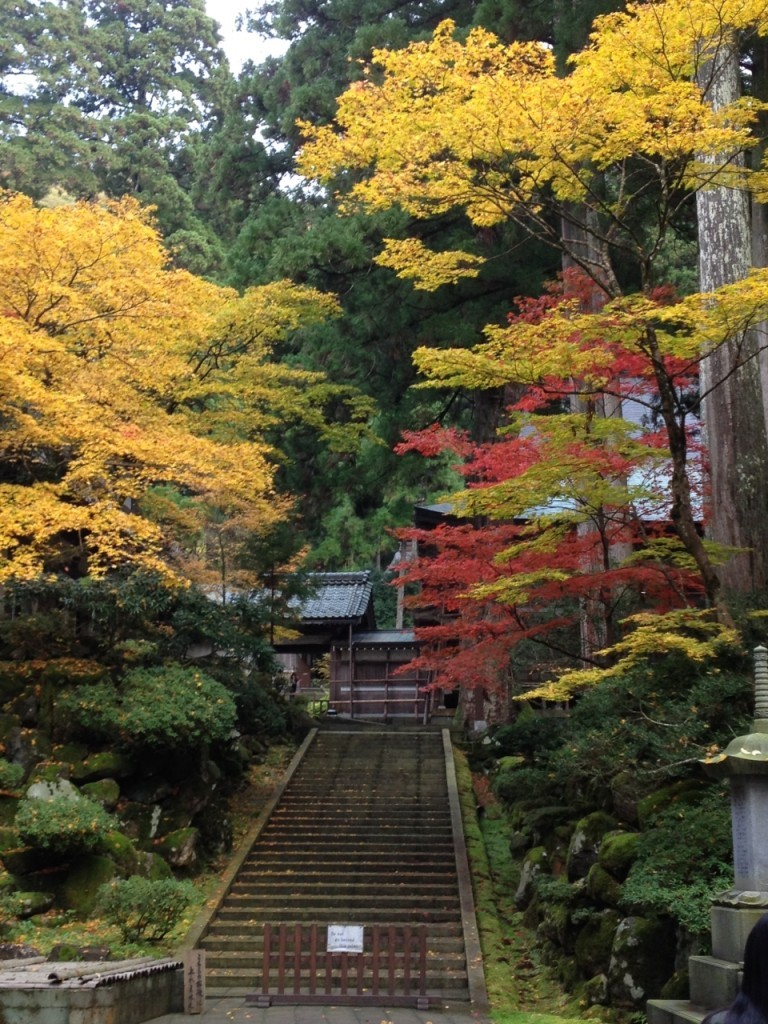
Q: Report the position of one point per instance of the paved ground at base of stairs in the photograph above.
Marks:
(222, 1011)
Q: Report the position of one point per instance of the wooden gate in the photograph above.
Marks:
(298, 968)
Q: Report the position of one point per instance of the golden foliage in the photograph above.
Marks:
(694, 634)
(119, 375)
(427, 269)
(494, 130)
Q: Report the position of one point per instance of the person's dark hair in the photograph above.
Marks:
(751, 1004)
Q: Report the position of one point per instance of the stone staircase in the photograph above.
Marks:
(362, 834)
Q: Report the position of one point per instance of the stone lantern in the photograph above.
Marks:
(745, 763)
(715, 979)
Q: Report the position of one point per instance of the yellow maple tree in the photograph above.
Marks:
(120, 376)
(492, 129)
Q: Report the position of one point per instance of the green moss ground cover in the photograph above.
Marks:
(521, 990)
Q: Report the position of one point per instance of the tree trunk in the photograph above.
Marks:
(759, 211)
(732, 406)
(582, 248)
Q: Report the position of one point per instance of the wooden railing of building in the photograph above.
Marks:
(365, 684)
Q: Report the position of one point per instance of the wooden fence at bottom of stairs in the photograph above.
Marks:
(298, 968)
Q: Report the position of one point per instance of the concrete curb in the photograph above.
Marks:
(478, 993)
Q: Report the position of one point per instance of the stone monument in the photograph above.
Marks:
(715, 979)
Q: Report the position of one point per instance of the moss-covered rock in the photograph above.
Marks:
(28, 748)
(26, 705)
(519, 841)
(592, 948)
(70, 753)
(618, 852)
(140, 821)
(534, 864)
(678, 986)
(179, 848)
(64, 952)
(105, 792)
(682, 791)
(14, 678)
(152, 866)
(173, 818)
(26, 860)
(554, 923)
(594, 992)
(602, 887)
(585, 843)
(557, 852)
(625, 793)
(49, 771)
(216, 827)
(510, 761)
(80, 886)
(642, 959)
(28, 904)
(122, 851)
(544, 822)
(105, 764)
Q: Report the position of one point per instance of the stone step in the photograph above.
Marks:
(384, 886)
(224, 988)
(355, 774)
(351, 778)
(359, 815)
(341, 874)
(339, 837)
(712, 981)
(218, 959)
(253, 942)
(674, 1011)
(445, 979)
(248, 903)
(350, 822)
(437, 931)
(355, 809)
(440, 859)
(343, 912)
(330, 848)
(357, 777)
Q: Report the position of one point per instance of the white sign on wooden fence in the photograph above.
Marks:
(345, 938)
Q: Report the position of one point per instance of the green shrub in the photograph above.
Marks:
(650, 724)
(683, 861)
(143, 909)
(530, 735)
(167, 706)
(524, 783)
(64, 824)
(11, 775)
(258, 712)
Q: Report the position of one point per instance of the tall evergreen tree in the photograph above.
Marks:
(103, 96)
